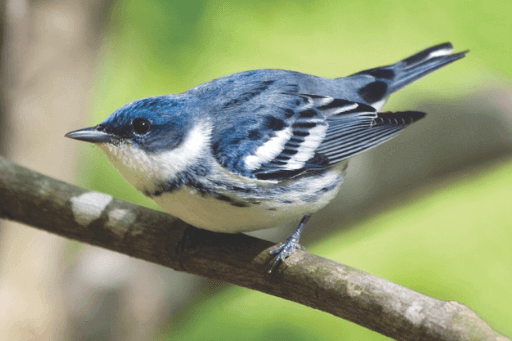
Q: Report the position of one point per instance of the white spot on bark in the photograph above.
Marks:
(44, 186)
(88, 206)
(415, 314)
(120, 220)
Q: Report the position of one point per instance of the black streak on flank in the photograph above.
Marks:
(329, 188)
(319, 193)
(281, 174)
(373, 92)
(239, 204)
(240, 189)
(231, 201)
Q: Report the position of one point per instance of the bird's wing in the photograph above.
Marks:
(302, 133)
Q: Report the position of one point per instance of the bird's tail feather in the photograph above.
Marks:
(423, 63)
(412, 68)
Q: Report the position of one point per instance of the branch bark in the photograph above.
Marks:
(346, 292)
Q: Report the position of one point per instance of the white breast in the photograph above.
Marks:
(211, 213)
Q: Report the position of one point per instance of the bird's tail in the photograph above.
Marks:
(406, 71)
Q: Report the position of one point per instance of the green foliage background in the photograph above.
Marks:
(453, 243)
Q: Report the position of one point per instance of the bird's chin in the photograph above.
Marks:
(132, 163)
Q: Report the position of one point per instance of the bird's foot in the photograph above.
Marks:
(283, 251)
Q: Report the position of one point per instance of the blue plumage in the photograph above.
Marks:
(257, 148)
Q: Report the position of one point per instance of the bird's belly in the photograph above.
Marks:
(232, 215)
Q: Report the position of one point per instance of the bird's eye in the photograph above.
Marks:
(140, 125)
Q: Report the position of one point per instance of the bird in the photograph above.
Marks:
(259, 148)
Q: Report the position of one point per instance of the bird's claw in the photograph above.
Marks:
(283, 251)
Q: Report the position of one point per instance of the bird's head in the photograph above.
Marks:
(152, 124)
(149, 140)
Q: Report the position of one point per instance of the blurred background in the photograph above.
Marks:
(430, 210)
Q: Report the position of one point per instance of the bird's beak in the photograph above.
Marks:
(92, 134)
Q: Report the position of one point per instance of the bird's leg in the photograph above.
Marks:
(285, 249)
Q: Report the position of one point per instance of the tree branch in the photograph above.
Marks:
(99, 219)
